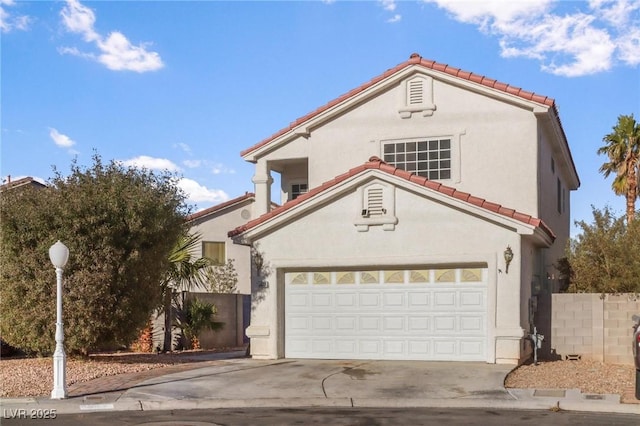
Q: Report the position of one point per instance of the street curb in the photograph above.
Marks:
(76, 406)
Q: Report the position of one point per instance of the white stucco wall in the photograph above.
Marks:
(427, 233)
(559, 221)
(495, 142)
(214, 227)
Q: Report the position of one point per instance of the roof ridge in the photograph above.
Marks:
(414, 59)
(375, 162)
(247, 195)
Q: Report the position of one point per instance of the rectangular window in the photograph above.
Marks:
(214, 251)
(297, 189)
(559, 196)
(427, 158)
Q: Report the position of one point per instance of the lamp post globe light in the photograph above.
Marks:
(59, 254)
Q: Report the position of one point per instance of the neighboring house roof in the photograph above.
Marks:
(221, 206)
(248, 196)
(377, 163)
(21, 182)
(416, 59)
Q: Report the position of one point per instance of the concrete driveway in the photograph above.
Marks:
(306, 381)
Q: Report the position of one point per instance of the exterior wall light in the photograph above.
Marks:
(59, 254)
(508, 257)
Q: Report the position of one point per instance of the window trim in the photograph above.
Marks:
(454, 137)
(299, 193)
(224, 246)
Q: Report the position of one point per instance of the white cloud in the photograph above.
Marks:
(79, 19)
(198, 193)
(61, 140)
(183, 146)
(394, 19)
(574, 43)
(389, 5)
(8, 22)
(116, 51)
(629, 47)
(151, 163)
(119, 54)
(192, 164)
(219, 169)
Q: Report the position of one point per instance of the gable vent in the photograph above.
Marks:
(415, 92)
(375, 202)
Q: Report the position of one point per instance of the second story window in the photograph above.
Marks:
(214, 251)
(297, 189)
(429, 158)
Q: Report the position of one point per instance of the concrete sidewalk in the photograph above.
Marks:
(228, 380)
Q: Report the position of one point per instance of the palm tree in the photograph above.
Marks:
(184, 273)
(623, 149)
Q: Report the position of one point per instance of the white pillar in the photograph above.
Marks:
(59, 357)
(262, 181)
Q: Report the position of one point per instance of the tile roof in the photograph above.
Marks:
(20, 182)
(221, 206)
(414, 59)
(377, 163)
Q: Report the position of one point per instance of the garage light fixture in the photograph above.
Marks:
(508, 257)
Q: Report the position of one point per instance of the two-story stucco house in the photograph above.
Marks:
(421, 213)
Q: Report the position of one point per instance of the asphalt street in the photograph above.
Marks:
(336, 417)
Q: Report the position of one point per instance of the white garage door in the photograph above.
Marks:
(409, 314)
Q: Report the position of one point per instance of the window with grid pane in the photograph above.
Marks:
(429, 158)
(214, 251)
(297, 189)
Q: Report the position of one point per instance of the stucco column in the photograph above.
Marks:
(262, 181)
(508, 330)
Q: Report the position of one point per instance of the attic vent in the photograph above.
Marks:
(417, 97)
(376, 206)
(414, 92)
(375, 202)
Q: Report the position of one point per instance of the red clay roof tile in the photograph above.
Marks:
(415, 59)
(506, 212)
(491, 206)
(420, 180)
(218, 207)
(377, 163)
(476, 201)
(461, 195)
(521, 217)
(433, 185)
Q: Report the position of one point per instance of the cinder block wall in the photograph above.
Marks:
(593, 326)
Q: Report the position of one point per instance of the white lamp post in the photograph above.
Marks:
(59, 254)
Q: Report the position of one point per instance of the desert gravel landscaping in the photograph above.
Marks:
(23, 377)
(588, 376)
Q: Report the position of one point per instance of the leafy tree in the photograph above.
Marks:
(120, 225)
(222, 278)
(184, 273)
(623, 150)
(604, 257)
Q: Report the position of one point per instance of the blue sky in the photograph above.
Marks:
(188, 85)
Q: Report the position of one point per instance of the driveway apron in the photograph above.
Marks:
(243, 379)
